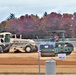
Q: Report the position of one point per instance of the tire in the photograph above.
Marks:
(6, 48)
(6, 51)
(68, 53)
(36, 49)
(69, 45)
(28, 49)
(1, 50)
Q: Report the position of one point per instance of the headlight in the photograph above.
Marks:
(59, 45)
(65, 45)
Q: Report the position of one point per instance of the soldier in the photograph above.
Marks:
(56, 37)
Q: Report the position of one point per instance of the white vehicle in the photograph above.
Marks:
(7, 43)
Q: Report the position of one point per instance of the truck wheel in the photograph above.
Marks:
(28, 49)
(36, 48)
(6, 51)
(6, 48)
(1, 50)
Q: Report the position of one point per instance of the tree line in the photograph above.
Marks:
(31, 26)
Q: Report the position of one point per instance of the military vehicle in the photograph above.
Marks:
(55, 46)
(8, 42)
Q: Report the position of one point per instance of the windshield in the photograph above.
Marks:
(7, 38)
(1, 36)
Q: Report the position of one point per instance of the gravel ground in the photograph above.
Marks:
(27, 64)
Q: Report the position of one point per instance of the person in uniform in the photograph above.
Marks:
(56, 37)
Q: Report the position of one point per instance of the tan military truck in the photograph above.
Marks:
(7, 42)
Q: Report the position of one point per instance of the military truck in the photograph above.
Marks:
(55, 46)
(8, 42)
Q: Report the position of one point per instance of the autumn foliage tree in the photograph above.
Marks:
(31, 26)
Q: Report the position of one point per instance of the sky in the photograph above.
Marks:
(39, 7)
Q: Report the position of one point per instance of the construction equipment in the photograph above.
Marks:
(54, 46)
(7, 43)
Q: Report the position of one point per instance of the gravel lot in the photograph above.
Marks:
(27, 63)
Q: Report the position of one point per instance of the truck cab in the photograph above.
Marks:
(5, 37)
